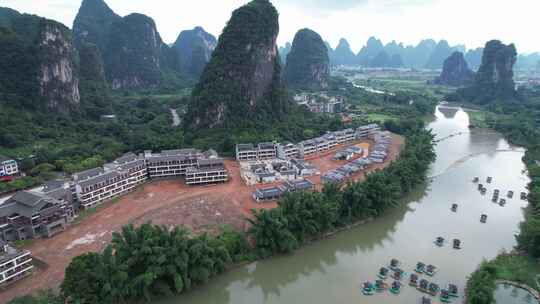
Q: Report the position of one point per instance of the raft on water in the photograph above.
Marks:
(433, 289)
(398, 274)
(413, 280)
(426, 300)
(380, 286)
(420, 267)
(439, 241)
(396, 287)
(453, 290)
(368, 289)
(394, 264)
(489, 179)
(454, 207)
(476, 180)
(457, 244)
(423, 285)
(383, 273)
(480, 186)
(502, 202)
(430, 270)
(523, 196)
(483, 218)
(445, 296)
(510, 194)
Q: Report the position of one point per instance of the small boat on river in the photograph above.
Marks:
(502, 202)
(510, 194)
(420, 267)
(480, 186)
(476, 179)
(383, 273)
(483, 190)
(454, 207)
(495, 199)
(453, 290)
(439, 241)
(426, 300)
(457, 244)
(398, 274)
(445, 296)
(368, 289)
(489, 179)
(413, 280)
(423, 285)
(380, 286)
(433, 289)
(524, 196)
(394, 264)
(483, 218)
(430, 270)
(396, 287)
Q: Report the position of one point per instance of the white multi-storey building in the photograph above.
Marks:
(367, 131)
(8, 167)
(266, 151)
(171, 163)
(95, 186)
(246, 152)
(287, 150)
(14, 264)
(207, 171)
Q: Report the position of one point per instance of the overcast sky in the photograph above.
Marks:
(469, 22)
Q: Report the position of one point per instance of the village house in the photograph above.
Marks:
(94, 186)
(207, 171)
(172, 163)
(14, 264)
(8, 167)
(34, 214)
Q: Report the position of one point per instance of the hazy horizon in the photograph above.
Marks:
(406, 21)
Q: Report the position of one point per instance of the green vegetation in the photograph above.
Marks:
(307, 62)
(149, 261)
(241, 87)
(510, 267)
(494, 79)
(44, 297)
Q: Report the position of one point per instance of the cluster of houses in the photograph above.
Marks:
(8, 168)
(274, 193)
(45, 211)
(378, 154)
(304, 149)
(320, 102)
(270, 171)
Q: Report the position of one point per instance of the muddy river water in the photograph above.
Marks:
(332, 270)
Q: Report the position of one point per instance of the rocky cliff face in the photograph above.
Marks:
(57, 77)
(92, 24)
(241, 84)
(135, 53)
(495, 77)
(194, 48)
(38, 62)
(455, 71)
(307, 63)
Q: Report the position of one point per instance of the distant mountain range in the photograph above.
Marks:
(428, 54)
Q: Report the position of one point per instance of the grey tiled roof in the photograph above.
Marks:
(88, 173)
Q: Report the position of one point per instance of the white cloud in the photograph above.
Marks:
(471, 22)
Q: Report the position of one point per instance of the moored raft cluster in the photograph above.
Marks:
(423, 285)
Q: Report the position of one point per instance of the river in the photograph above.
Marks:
(332, 270)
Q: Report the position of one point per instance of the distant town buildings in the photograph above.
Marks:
(320, 102)
(8, 167)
